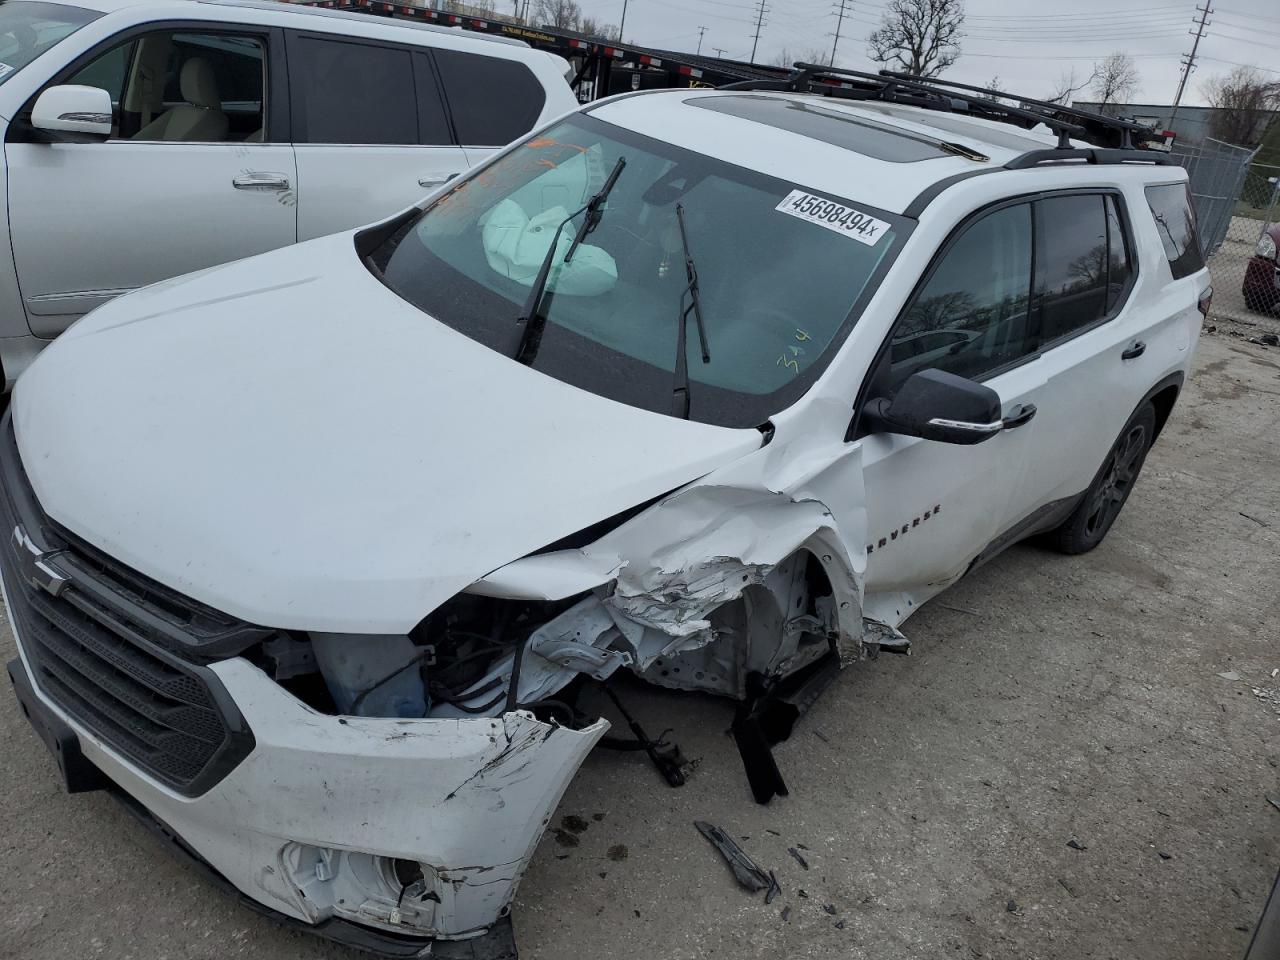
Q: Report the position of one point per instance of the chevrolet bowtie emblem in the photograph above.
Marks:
(32, 561)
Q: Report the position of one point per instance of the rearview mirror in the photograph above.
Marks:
(73, 114)
(937, 405)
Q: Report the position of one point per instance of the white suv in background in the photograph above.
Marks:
(311, 552)
(143, 140)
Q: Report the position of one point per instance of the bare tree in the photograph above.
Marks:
(919, 37)
(1115, 80)
(561, 14)
(604, 31)
(1243, 102)
(788, 57)
(1067, 87)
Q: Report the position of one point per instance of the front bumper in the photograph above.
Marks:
(468, 799)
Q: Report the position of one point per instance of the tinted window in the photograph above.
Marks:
(492, 101)
(1176, 222)
(1072, 262)
(971, 316)
(433, 124)
(352, 93)
(1119, 265)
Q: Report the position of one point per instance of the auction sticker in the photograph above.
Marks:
(834, 216)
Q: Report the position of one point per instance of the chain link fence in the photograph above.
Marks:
(1237, 203)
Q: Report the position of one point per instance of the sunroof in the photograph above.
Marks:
(879, 140)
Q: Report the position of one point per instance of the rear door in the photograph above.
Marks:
(371, 134)
(198, 170)
(492, 101)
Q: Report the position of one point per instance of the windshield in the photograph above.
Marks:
(28, 29)
(782, 273)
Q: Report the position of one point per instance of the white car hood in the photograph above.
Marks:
(286, 440)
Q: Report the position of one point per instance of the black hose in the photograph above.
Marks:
(483, 708)
(450, 696)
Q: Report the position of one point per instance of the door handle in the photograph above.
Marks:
(1134, 351)
(1022, 415)
(261, 181)
(436, 181)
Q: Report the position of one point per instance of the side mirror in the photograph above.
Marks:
(73, 114)
(937, 405)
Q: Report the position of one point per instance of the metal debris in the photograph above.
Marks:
(829, 908)
(1075, 844)
(745, 870)
(798, 858)
(1274, 801)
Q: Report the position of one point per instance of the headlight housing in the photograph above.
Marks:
(1267, 247)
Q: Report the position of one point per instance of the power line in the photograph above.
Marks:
(1189, 62)
(836, 42)
(761, 10)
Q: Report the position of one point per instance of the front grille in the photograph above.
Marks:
(122, 654)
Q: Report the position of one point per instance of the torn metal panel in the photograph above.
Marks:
(711, 582)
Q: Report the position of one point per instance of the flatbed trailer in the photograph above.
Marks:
(601, 67)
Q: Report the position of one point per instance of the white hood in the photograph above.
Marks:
(286, 440)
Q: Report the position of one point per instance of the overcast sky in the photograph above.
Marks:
(1027, 51)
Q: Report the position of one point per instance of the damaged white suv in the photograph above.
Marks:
(310, 552)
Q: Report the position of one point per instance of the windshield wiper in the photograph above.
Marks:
(533, 318)
(595, 208)
(680, 394)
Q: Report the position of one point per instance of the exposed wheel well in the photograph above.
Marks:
(1163, 401)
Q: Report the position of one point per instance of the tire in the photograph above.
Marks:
(1092, 518)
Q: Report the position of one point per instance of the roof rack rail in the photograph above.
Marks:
(1033, 158)
(1098, 124)
(1106, 132)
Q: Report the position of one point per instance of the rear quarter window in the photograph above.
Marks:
(492, 101)
(1175, 218)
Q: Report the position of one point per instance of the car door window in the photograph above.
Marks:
(183, 86)
(492, 101)
(353, 93)
(1072, 264)
(970, 318)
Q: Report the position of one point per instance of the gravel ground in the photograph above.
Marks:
(933, 797)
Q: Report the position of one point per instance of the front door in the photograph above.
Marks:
(188, 179)
(932, 507)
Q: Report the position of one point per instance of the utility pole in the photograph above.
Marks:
(1189, 61)
(761, 10)
(623, 25)
(836, 41)
(701, 31)
(720, 52)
